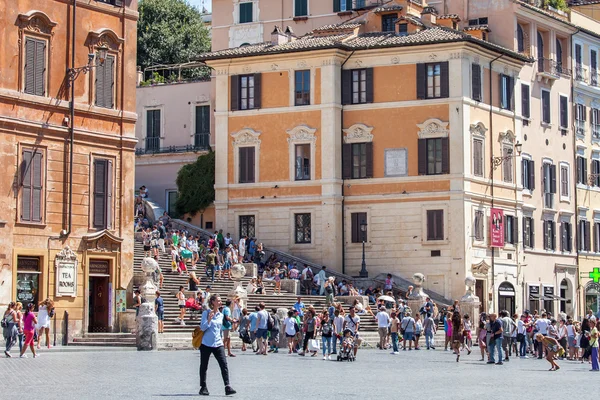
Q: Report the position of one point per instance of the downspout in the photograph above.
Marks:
(492, 169)
(71, 126)
(342, 142)
(574, 175)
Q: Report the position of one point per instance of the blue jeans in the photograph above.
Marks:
(523, 348)
(497, 346)
(326, 343)
(429, 339)
(210, 272)
(595, 359)
(395, 341)
(335, 340)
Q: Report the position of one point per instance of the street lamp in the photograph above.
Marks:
(363, 231)
(497, 161)
(73, 73)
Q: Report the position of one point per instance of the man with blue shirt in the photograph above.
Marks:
(261, 329)
(299, 306)
(253, 318)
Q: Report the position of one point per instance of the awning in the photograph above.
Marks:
(534, 296)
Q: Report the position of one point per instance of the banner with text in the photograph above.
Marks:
(497, 227)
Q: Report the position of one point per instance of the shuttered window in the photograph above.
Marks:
(246, 164)
(564, 112)
(564, 181)
(566, 237)
(528, 233)
(435, 224)
(103, 203)
(357, 86)
(596, 237)
(105, 83)
(245, 92)
(476, 82)
(357, 160)
(506, 92)
(511, 229)
(528, 174)
(478, 225)
(582, 170)
(202, 127)
(300, 8)
(32, 185)
(342, 5)
(595, 181)
(584, 241)
(549, 235)
(434, 156)
(433, 80)
(35, 66)
(246, 12)
(507, 165)
(478, 157)
(546, 107)
(357, 220)
(153, 126)
(525, 104)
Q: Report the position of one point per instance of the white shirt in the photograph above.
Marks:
(338, 322)
(351, 322)
(383, 319)
(521, 327)
(242, 246)
(570, 330)
(288, 323)
(408, 324)
(542, 325)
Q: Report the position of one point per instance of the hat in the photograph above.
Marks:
(209, 287)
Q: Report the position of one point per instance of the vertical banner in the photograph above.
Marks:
(497, 227)
(110, 304)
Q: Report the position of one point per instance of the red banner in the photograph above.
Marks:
(497, 227)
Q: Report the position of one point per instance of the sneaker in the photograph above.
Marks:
(324, 358)
(182, 323)
(36, 355)
(329, 357)
(229, 391)
(203, 391)
(395, 353)
(500, 363)
(432, 348)
(23, 356)
(491, 362)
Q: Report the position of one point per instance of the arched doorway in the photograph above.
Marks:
(506, 297)
(564, 295)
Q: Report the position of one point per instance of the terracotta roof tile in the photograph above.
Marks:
(387, 8)
(483, 27)
(411, 19)
(448, 16)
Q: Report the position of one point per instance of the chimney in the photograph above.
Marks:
(289, 32)
(429, 16)
(278, 37)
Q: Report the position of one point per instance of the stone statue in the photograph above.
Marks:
(238, 271)
(417, 292)
(149, 265)
(469, 296)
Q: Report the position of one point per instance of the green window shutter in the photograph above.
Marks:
(301, 8)
(336, 6)
(99, 210)
(444, 80)
(348, 5)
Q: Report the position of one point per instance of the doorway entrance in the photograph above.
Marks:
(480, 292)
(98, 304)
(506, 298)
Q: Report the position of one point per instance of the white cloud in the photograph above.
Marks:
(199, 3)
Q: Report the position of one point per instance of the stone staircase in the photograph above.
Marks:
(105, 340)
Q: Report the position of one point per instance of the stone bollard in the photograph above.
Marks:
(469, 303)
(147, 328)
(282, 314)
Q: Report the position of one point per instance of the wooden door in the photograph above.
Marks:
(98, 303)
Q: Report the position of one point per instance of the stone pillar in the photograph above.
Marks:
(147, 328)
(222, 138)
(148, 289)
(469, 303)
(417, 297)
(282, 314)
(237, 272)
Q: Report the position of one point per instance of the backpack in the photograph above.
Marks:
(326, 328)
(270, 323)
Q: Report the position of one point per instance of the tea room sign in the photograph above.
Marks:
(66, 273)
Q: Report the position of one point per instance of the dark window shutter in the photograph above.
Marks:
(532, 174)
(525, 242)
(257, 90)
(30, 66)
(346, 86)
(564, 116)
(444, 80)
(585, 173)
(583, 113)
(563, 237)
(40, 67)
(421, 81)
(422, 156)
(369, 151)
(525, 109)
(251, 164)
(553, 234)
(100, 84)
(532, 236)
(596, 237)
(579, 170)
(445, 156)
(553, 179)
(36, 187)
(511, 94)
(336, 6)
(369, 83)
(99, 214)
(26, 185)
(347, 161)
(235, 92)
(109, 194)
(545, 226)
(587, 236)
(348, 5)
(476, 81)
(242, 165)
(578, 238)
(430, 225)
(515, 230)
(355, 228)
(109, 82)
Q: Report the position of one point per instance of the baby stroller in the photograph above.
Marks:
(347, 349)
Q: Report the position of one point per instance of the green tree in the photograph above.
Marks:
(170, 32)
(196, 185)
(558, 4)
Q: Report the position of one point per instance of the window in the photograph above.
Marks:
(102, 208)
(559, 56)
(549, 235)
(357, 160)
(478, 153)
(564, 112)
(153, 130)
(202, 128)
(434, 156)
(357, 86)
(28, 280)
(528, 233)
(32, 185)
(403, 29)
(520, 39)
(510, 229)
(525, 102)
(476, 82)
(300, 8)
(246, 164)
(596, 172)
(358, 236)
(478, 225)
(478, 21)
(528, 174)
(302, 88)
(432, 81)
(583, 236)
(35, 66)
(580, 118)
(302, 228)
(593, 68)
(596, 236)
(388, 22)
(245, 92)
(582, 170)
(579, 73)
(342, 5)
(507, 166)
(171, 200)
(595, 123)
(506, 92)
(564, 181)
(546, 107)
(435, 224)
(540, 52)
(302, 162)
(549, 180)
(247, 226)
(246, 12)
(566, 237)
(105, 83)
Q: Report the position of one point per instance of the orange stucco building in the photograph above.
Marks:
(69, 239)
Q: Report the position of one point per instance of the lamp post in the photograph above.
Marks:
(497, 161)
(363, 269)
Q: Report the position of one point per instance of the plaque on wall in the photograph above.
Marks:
(66, 273)
(396, 162)
(99, 267)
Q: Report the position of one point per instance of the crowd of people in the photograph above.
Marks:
(26, 327)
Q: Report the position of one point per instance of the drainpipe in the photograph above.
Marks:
(576, 292)
(342, 141)
(492, 170)
(67, 232)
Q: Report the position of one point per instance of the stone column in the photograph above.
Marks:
(469, 303)
(417, 297)
(147, 328)
(221, 142)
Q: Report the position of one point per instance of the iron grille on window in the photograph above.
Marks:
(303, 228)
(247, 226)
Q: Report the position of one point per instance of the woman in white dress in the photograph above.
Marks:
(45, 313)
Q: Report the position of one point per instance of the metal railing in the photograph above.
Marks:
(173, 149)
(580, 74)
(580, 127)
(552, 68)
(152, 144)
(202, 140)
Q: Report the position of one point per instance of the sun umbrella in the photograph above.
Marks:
(387, 298)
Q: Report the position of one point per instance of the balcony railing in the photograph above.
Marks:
(202, 140)
(152, 144)
(596, 131)
(552, 69)
(201, 143)
(580, 74)
(549, 200)
(580, 127)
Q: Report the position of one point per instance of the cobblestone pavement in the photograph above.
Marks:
(375, 375)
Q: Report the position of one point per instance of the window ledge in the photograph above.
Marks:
(546, 125)
(565, 200)
(344, 13)
(301, 18)
(434, 242)
(31, 224)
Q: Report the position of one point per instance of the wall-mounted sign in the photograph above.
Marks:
(396, 162)
(99, 267)
(66, 273)
(28, 263)
(506, 289)
(497, 227)
(121, 296)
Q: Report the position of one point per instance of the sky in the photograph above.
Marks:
(198, 3)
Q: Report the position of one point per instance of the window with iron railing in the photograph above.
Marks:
(595, 123)
(580, 119)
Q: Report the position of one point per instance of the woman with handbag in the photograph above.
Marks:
(212, 343)
(310, 327)
(9, 328)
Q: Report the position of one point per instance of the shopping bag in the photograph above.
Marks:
(313, 345)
